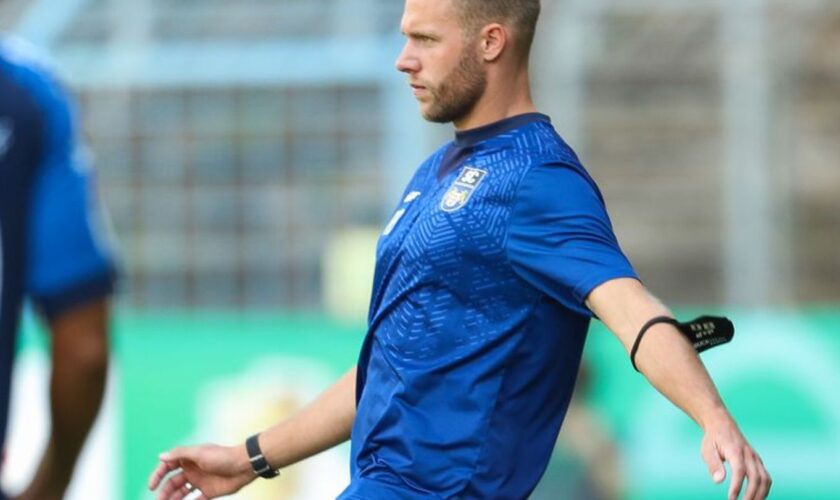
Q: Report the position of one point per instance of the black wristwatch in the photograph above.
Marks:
(258, 461)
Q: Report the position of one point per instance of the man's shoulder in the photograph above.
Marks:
(547, 145)
(531, 145)
(21, 57)
(552, 174)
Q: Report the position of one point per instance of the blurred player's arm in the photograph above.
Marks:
(673, 367)
(70, 273)
(79, 369)
(222, 470)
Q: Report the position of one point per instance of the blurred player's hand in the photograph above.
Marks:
(724, 442)
(214, 470)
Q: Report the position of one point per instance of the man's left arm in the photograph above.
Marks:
(79, 369)
(673, 367)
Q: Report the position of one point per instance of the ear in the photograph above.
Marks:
(493, 40)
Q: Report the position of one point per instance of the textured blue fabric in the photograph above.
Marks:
(52, 246)
(477, 319)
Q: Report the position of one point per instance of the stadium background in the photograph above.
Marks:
(249, 152)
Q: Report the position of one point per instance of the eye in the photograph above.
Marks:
(424, 39)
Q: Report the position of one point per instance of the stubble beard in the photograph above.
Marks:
(458, 93)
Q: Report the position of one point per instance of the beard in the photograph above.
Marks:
(456, 96)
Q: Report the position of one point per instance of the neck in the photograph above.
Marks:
(503, 98)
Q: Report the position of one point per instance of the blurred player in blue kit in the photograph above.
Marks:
(53, 252)
(497, 256)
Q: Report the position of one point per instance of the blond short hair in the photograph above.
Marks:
(520, 15)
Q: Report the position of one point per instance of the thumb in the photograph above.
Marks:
(714, 463)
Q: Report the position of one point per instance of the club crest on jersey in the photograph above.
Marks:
(462, 189)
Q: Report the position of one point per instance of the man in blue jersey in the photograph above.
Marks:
(53, 253)
(487, 275)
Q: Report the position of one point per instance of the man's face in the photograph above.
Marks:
(444, 68)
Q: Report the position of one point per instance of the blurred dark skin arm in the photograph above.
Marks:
(77, 385)
(673, 367)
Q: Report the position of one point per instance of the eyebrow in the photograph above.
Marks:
(420, 34)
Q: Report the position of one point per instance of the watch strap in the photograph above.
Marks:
(258, 462)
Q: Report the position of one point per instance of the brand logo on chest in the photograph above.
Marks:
(462, 189)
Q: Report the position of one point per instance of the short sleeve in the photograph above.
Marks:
(70, 258)
(560, 239)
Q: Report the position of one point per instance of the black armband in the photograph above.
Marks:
(704, 332)
(258, 461)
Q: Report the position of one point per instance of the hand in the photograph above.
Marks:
(214, 470)
(723, 442)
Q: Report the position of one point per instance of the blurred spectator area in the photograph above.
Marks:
(654, 132)
(224, 197)
(226, 186)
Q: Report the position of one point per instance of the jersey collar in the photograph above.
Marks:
(471, 137)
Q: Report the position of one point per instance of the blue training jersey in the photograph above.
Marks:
(52, 247)
(478, 318)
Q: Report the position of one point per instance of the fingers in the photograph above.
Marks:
(171, 461)
(766, 480)
(168, 463)
(759, 478)
(173, 487)
(188, 492)
(747, 465)
(160, 472)
(183, 492)
(179, 475)
(178, 487)
(725, 443)
(739, 472)
(753, 478)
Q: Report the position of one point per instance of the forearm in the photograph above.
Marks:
(223, 470)
(319, 426)
(76, 393)
(77, 385)
(665, 356)
(673, 367)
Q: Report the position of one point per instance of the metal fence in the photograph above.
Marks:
(235, 138)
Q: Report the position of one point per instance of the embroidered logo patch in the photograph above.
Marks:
(462, 189)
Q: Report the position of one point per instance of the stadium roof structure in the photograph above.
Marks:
(213, 42)
(162, 42)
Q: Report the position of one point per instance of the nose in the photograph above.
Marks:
(406, 62)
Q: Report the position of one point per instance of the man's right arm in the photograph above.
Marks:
(221, 470)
